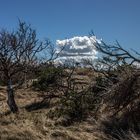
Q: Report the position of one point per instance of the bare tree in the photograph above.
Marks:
(18, 50)
(116, 54)
(121, 73)
(111, 57)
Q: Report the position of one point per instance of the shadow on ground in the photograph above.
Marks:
(37, 106)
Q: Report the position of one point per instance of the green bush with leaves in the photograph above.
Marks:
(75, 106)
(48, 77)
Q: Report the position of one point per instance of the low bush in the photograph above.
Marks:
(50, 76)
(76, 106)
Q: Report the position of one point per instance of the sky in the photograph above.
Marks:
(60, 19)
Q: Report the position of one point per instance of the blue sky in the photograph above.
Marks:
(59, 19)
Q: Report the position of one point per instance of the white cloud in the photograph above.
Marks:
(77, 48)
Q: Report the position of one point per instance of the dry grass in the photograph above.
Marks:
(35, 125)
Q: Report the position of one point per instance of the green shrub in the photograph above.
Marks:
(75, 106)
(48, 77)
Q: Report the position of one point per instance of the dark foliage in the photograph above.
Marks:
(50, 76)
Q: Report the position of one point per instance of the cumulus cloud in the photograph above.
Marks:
(77, 48)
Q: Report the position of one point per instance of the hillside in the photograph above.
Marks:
(37, 120)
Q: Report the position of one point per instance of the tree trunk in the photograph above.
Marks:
(11, 100)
